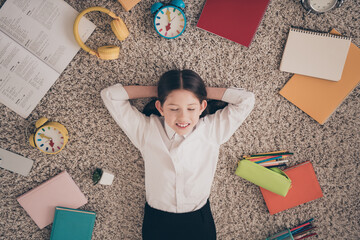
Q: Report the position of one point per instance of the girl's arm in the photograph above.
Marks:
(215, 93)
(132, 122)
(141, 91)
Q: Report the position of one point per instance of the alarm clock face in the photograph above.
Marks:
(49, 139)
(170, 22)
(322, 5)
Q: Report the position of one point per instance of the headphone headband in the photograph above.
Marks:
(76, 26)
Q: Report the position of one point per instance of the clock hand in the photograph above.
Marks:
(168, 15)
(168, 27)
(43, 136)
(51, 143)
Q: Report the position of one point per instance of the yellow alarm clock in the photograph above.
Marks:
(49, 137)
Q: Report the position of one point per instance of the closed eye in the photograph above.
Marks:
(191, 109)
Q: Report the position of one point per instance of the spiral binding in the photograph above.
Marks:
(319, 33)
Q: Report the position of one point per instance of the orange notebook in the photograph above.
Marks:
(305, 188)
(128, 4)
(319, 98)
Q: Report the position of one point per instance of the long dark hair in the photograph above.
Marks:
(187, 80)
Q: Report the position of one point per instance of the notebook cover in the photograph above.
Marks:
(305, 188)
(319, 98)
(15, 163)
(73, 224)
(41, 201)
(236, 20)
(128, 4)
(320, 55)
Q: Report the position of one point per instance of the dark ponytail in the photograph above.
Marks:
(187, 80)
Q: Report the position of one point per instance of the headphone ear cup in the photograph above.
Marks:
(109, 52)
(119, 28)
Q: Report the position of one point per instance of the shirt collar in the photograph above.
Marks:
(170, 132)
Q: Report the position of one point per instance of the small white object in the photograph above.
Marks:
(106, 177)
(15, 162)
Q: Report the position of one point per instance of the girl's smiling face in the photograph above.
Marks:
(181, 110)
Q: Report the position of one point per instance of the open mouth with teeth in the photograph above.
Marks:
(182, 125)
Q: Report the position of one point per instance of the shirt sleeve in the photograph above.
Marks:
(223, 123)
(130, 120)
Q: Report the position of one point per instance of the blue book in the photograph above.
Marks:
(72, 224)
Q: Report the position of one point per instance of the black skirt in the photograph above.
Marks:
(160, 225)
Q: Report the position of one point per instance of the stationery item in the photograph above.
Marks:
(15, 163)
(235, 20)
(305, 187)
(283, 235)
(319, 98)
(320, 55)
(298, 232)
(128, 4)
(73, 224)
(279, 165)
(272, 163)
(273, 179)
(41, 201)
(278, 153)
(36, 45)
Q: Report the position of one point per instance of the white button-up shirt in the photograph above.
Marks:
(179, 170)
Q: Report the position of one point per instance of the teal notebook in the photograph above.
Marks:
(71, 224)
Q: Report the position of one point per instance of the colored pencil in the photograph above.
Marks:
(265, 157)
(272, 163)
(310, 235)
(280, 165)
(266, 160)
(303, 232)
(300, 226)
(269, 154)
(260, 158)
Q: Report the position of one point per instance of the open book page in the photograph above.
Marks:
(24, 79)
(45, 29)
(36, 45)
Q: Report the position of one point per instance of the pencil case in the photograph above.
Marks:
(272, 179)
(283, 235)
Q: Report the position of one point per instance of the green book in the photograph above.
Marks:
(72, 224)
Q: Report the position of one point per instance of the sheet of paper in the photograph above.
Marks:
(45, 28)
(36, 45)
(24, 80)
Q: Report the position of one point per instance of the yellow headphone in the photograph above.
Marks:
(119, 28)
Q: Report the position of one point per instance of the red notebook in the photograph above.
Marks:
(236, 20)
(305, 188)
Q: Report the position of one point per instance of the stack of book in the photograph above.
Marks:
(56, 200)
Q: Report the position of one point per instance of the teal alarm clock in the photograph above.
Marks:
(169, 20)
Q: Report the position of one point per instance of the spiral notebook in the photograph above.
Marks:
(320, 55)
(320, 98)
